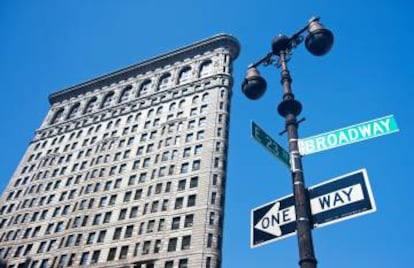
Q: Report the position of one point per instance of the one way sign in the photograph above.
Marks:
(335, 200)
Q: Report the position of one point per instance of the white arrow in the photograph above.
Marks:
(274, 218)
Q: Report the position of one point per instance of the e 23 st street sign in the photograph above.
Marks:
(348, 135)
(271, 145)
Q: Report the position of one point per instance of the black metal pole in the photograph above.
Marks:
(290, 108)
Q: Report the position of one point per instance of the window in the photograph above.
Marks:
(107, 100)
(191, 124)
(146, 247)
(97, 219)
(127, 196)
(203, 109)
(161, 225)
(125, 93)
(103, 201)
(146, 162)
(101, 236)
(202, 122)
(154, 206)
(181, 185)
(209, 240)
(157, 246)
(57, 117)
(198, 149)
(138, 194)
(123, 253)
(117, 233)
(200, 135)
(185, 75)
(122, 214)
(183, 263)
(189, 137)
(191, 200)
(117, 183)
(169, 264)
(111, 254)
(134, 212)
(41, 247)
(172, 244)
(208, 262)
(62, 261)
(188, 221)
(84, 258)
(144, 89)
(164, 205)
(78, 239)
(164, 81)
(178, 203)
(194, 182)
(186, 242)
(168, 187)
(73, 111)
(196, 165)
(184, 167)
(95, 256)
(131, 180)
(158, 188)
(206, 68)
(175, 223)
(211, 218)
(150, 226)
(213, 198)
(186, 152)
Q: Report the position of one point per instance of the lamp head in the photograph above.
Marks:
(319, 40)
(253, 86)
(279, 44)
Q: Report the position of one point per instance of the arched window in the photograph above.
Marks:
(145, 86)
(125, 93)
(57, 116)
(185, 75)
(164, 81)
(150, 112)
(181, 104)
(137, 117)
(73, 111)
(206, 68)
(195, 99)
(159, 110)
(91, 105)
(204, 97)
(172, 106)
(107, 100)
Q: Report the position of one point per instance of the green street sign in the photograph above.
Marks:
(348, 135)
(272, 146)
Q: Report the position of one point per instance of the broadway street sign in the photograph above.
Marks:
(338, 199)
(348, 135)
(272, 146)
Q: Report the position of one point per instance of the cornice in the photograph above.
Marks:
(218, 41)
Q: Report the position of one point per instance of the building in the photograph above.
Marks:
(128, 169)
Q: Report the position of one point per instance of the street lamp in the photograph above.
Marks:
(318, 42)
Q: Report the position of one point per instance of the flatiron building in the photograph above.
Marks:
(128, 169)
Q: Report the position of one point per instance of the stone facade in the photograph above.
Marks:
(128, 169)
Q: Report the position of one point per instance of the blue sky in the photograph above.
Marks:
(50, 45)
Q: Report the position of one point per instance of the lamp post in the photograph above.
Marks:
(318, 42)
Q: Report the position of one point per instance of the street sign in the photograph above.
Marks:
(348, 135)
(271, 145)
(338, 199)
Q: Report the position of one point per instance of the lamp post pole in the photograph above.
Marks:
(290, 108)
(318, 42)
